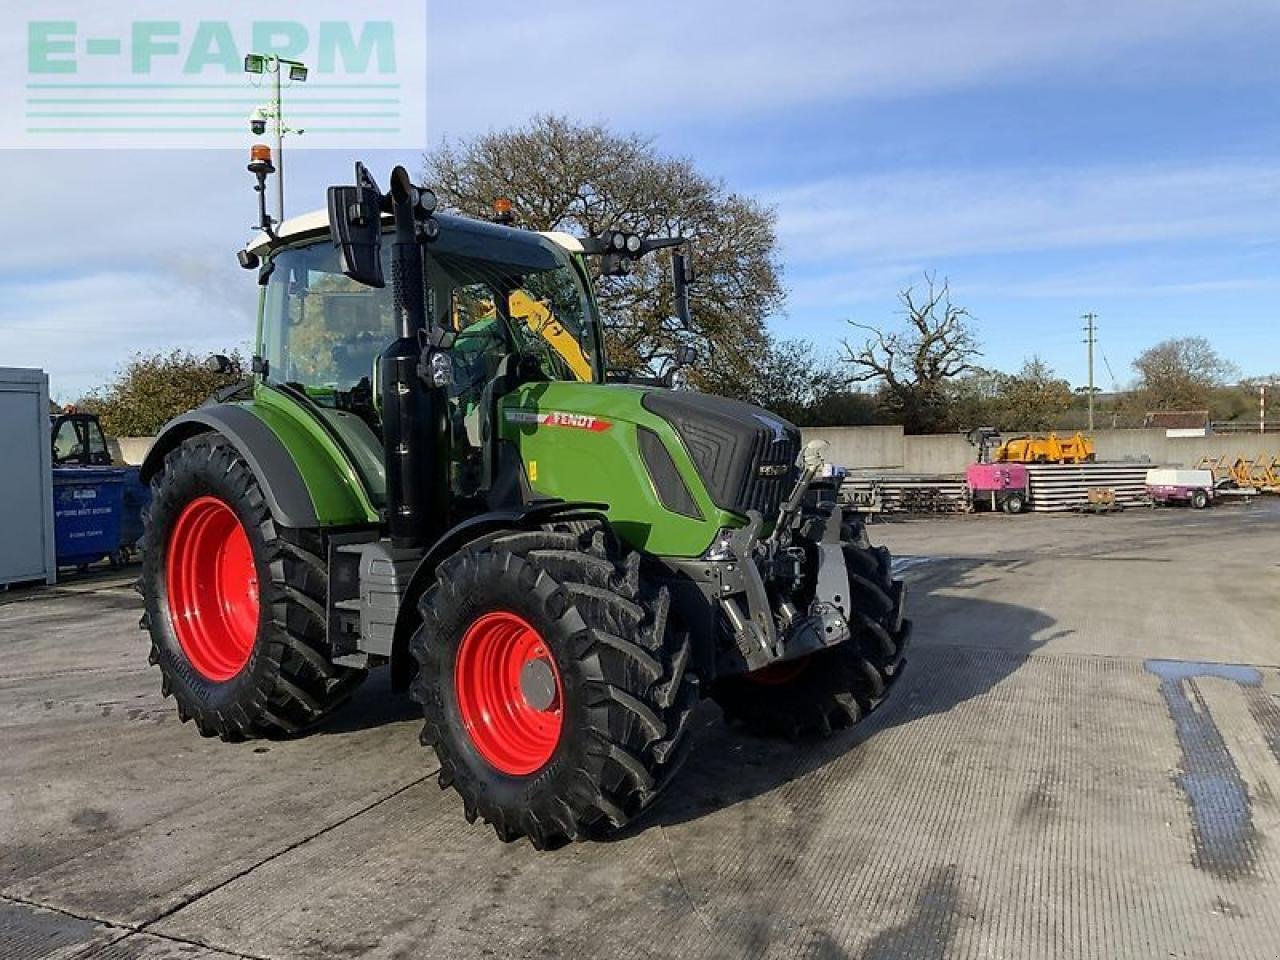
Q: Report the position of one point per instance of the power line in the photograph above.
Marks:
(1115, 384)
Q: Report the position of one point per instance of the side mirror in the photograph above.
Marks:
(219, 363)
(684, 355)
(681, 277)
(355, 224)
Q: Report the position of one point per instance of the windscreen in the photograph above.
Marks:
(503, 294)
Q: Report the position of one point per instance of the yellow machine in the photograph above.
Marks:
(1222, 469)
(1047, 449)
(542, 321)
(539, 319)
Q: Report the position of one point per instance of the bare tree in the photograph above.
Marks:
(585, 179)
(791, 378)
(1180, 374)
(914, 364)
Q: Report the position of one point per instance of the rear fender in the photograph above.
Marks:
(478, 528)
(277, 474)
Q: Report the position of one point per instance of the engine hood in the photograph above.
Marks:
(745, 455)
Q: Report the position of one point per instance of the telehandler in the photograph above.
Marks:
(441, 475)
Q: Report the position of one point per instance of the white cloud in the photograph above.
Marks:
(925, 215)
(82, 328)
(111, 252)
(677, 60)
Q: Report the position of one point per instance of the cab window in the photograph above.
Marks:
(66, 443)
(323, 331)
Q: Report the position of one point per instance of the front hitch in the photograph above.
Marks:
(765, 626)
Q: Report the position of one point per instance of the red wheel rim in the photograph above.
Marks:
(509, 693)
(777, 674)
(213, 588)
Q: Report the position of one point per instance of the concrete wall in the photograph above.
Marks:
(937, 453)
(1181, 451)
(878, 448)
(131, 450)
(887, 449)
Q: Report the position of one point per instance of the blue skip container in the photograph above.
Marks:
(88, 503)
(136, 497)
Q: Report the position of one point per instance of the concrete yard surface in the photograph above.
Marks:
(1082, 760)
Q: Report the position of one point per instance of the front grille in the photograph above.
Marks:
(772, 474)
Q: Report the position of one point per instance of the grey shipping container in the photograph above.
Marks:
(26, 481)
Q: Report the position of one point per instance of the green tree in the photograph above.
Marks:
(973, 399)
(916, 364)
(795, 382)
(1034, 398)
(585, 179)
(1180, 374)
(153, 388)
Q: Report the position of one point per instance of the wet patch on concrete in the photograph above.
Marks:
(27, 931)
(1265, 710)
(927, 934)
(1226, 840)
(93, 820)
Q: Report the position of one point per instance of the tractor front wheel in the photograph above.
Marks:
(235, 605)
(838, 686)
(553, 683)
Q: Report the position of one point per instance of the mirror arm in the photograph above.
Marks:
(680, 277)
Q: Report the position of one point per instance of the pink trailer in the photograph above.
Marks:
(998, 486)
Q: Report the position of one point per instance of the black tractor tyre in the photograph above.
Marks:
(286, 682)
(1199, 499)
(841, 685)
(622, 690)
(1015, 503)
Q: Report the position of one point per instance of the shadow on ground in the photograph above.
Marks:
(373, 704)
(982, 642)
(979, 642)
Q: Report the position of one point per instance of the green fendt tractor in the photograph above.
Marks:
(442, 475)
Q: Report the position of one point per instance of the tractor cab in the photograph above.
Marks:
(77, 440)
(519, 305)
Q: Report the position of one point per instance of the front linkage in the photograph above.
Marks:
(814, 614)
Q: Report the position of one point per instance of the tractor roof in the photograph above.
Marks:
(316, 224)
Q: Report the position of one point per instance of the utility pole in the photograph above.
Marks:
(1091, 337)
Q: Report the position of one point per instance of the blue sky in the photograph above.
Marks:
(1049, 159)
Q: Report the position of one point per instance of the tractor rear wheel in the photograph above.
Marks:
(836, 687)
(235, 605)
(553, 683)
